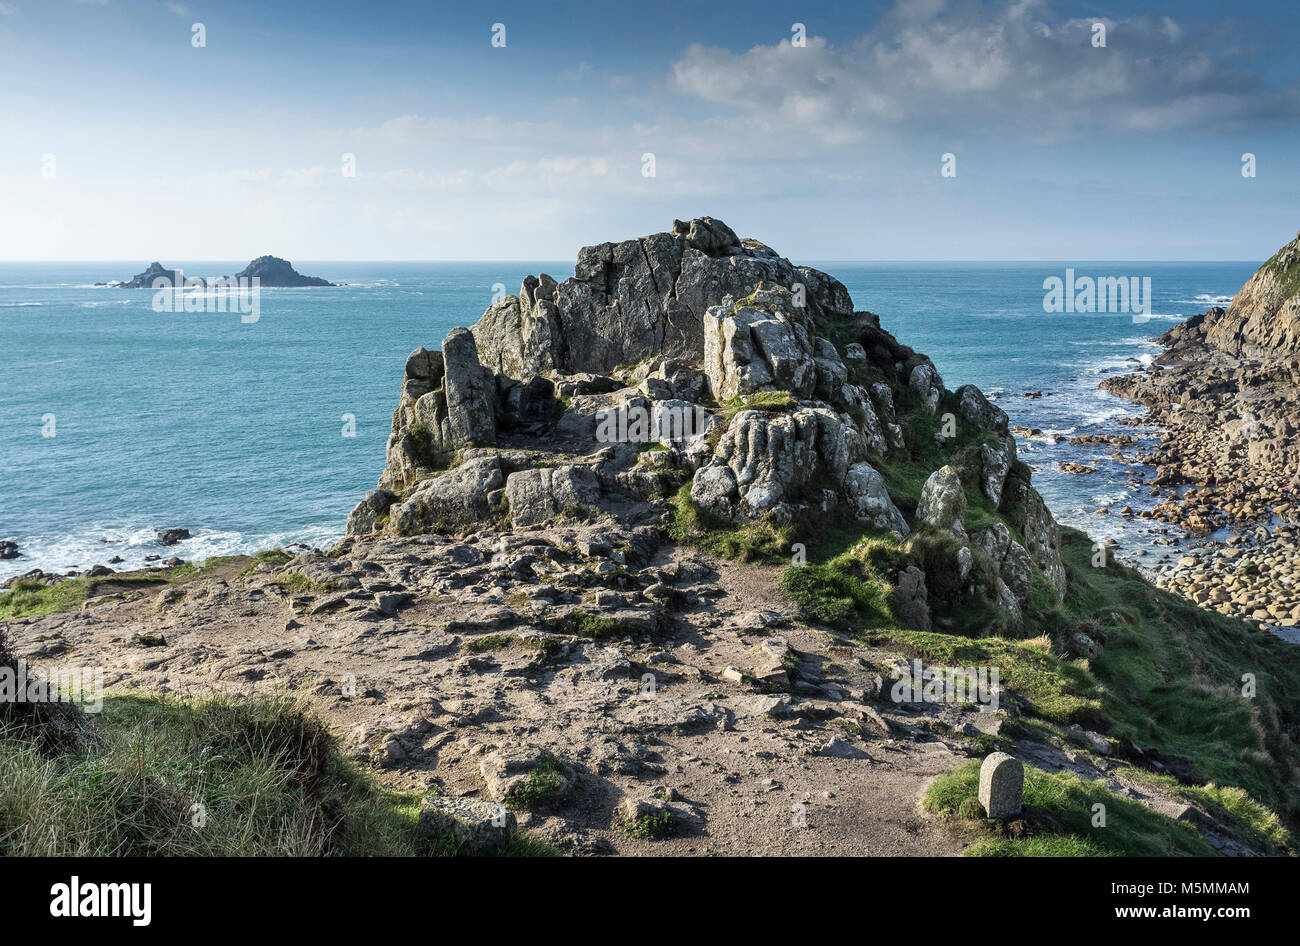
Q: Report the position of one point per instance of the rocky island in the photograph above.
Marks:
(272, 272)
(278, 273)
(155, 270)
(686, 554)
(1224, 391)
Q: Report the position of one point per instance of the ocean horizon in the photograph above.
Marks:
(240, 432)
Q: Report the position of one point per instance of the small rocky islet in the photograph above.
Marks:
(272, 272)
(666, 558)
(1223, 395)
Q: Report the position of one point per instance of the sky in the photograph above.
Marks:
(330, 130)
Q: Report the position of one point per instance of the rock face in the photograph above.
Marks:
(767, 464)
(768, 342)
(537, 496)
(456, 500)
(1263, 319)
(1225, 391)
(695, 363)
(448, 403)
(911, 600)
(638, 299)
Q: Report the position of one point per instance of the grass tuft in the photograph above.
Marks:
(1060, 819)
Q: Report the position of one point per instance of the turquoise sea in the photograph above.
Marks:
(234, 430)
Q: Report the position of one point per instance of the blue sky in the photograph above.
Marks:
(830, 150)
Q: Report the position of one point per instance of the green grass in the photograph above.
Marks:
(751, 542)
(1047, 687)
(651, 827)
(543, 786)
(28, 598)
(846, 589)
(770, 402)
(1172, 678)
(1264, 829)
(1040, 845)
(295, 581)
(272, 556)
(267, 774)
(1059, 806)
(210, 565)
(489, 642)
(585, 624)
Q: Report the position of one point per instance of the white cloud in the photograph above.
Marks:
(964, 66)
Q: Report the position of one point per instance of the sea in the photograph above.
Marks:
(120, 421)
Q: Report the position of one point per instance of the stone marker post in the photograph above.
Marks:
(1002, 783)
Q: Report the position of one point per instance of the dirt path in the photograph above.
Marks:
(446, 663)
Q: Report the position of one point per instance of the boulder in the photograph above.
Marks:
(943, 502)
(477, 826)
(457, 500)
(1006, 600)
(709, 236)
(772, 460)
(362, 519)
(996, 459)
(539, 495)
(506, 770)
(864, 488)
(925, 381)
(1010, 558)
(470, 393)
(911, 600)
(714, 490)
(977, 412)
(448, 403)
(763, 344)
